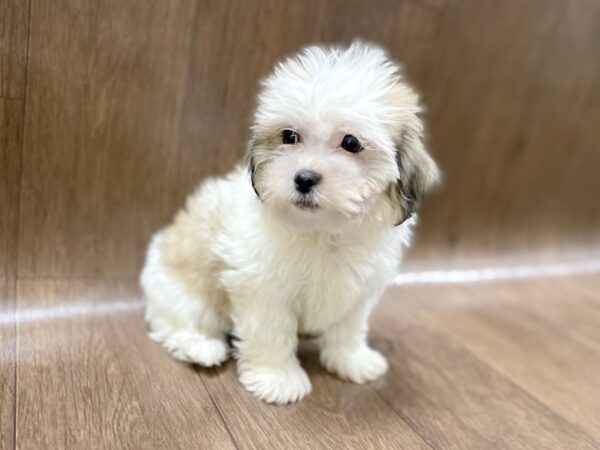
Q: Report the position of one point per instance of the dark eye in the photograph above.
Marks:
(290, 137)
(351, 144)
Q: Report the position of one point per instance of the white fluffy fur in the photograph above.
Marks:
(264, 270)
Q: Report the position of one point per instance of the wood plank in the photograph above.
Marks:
(100, 153)
(11, 135)
(568, 304)
(84, 344)
(448, 395)
(14, 26)
(11, 130)
(588, 287)
(336, 414)
(543, 360)
(568, 311)
(89, 377)
(513, 103)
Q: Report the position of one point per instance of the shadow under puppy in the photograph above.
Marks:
(304, 237)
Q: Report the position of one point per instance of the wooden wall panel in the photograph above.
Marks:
(14, 18)
(106, 86)
(11, 116)
(132, 103)
(514, 107)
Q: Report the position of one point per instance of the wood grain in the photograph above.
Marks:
(89, 377)
(588, 287)
(577, 308)
(14, 17)
(11, 129)
(336, 414)
(468, 369)
(14, 31)
(512, 105)
(563, 374)
(105, 96)
(456, 398)
(11, 134)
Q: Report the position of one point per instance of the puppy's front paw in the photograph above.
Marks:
(281, 385)
(358, 365)
(192, 346)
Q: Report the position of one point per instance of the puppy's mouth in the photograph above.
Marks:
(306, 204)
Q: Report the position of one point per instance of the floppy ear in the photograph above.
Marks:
(252, 165)
(418, 171)
(259, 149)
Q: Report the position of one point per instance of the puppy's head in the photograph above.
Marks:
(337, 137)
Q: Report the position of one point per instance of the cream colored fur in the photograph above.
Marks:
(243, 259)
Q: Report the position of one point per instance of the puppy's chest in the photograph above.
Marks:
(335, 283)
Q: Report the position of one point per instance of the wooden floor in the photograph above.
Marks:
(502, 364)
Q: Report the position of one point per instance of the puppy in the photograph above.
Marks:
(305, 236)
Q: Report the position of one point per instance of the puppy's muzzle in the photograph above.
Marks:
(305, 180)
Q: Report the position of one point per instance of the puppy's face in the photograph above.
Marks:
(337, 137)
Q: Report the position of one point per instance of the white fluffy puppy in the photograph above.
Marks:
(306, 236)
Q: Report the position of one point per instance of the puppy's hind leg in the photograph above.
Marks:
(187, 325)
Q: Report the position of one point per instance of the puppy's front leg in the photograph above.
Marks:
(346, 352)
(267, 341)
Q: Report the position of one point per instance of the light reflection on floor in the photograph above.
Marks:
(471, 275)
(26, 315)
(498, 273)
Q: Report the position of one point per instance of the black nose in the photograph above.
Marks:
(305, 180)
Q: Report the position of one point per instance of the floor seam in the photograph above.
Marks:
(404, 419)
(231, 436)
